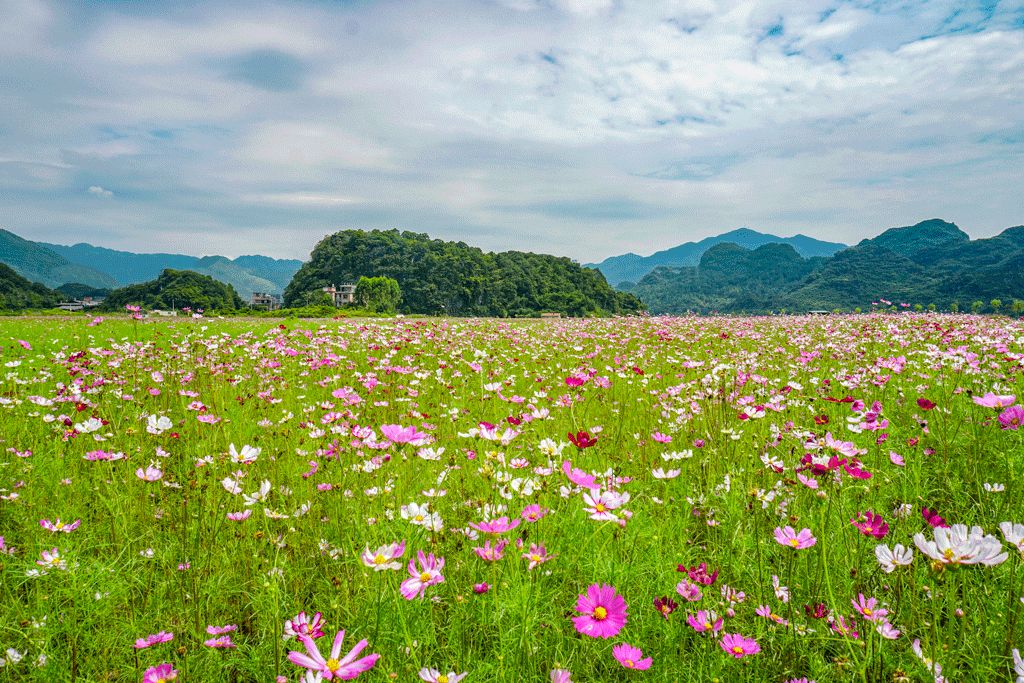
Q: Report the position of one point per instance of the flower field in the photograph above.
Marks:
(828, 498)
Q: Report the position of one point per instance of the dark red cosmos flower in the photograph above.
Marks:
(582, 439)
(933, 518)
(514, 421)
(665, 606)
(699, 574)
(925, 404)
(816, 611)
(821, 419)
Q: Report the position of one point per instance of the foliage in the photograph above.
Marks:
(438, 277)
(176, 289)
(378, 294)
(931, 264)
(227, 474)
(77, 290)
(38, 264)
(17, 293)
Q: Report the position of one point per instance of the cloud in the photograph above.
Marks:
(577, 127)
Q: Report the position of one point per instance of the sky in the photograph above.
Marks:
(584, 128)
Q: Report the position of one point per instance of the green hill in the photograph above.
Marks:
(932, 262)
(17, 293)
(39, 264)
(176, 289)
(454, 278)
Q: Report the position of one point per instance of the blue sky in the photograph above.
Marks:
(584, 128)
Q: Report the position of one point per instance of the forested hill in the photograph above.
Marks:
(930, 263)
(456, 279)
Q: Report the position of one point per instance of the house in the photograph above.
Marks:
(80, 304)
(341, 294)
(270, 302)
(550, 314)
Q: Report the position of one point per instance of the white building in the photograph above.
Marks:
(341, 294)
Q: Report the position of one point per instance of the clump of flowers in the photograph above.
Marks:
(603, 612)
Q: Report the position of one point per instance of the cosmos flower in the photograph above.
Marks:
(631, 657)
(739, 646)
(603, 612)
(58, 526)
(899, 556)
(704, 621)
(401, 435)
(496, 526)
(537, 555)
(990, 400)
(334, 667)
(153, 639)
(429, 574)
(435, 676)
(600, 505)
(301, 625)
(561, 676)
(787, 536)
(665, 606)
(247, 456)
(385, 557)
(958, 545)
(871, 524)
(1012, 418)
(161, 673)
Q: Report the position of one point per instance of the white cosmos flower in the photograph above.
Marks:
(1014, 534)
(158, 424)
(897, 557)
(959, 545)
(661, 473)
(252, 499)
(247, 456)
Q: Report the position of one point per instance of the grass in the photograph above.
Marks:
(269, 385)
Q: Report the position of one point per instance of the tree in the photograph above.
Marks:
(996, 304)
(378, 294)
(955, 307)
(977, 306)
(1017, 306)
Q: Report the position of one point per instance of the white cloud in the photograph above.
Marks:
(98, 191)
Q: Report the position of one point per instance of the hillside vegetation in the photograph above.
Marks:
(438, 277)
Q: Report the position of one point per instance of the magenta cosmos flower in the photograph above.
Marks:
(631, 657)
(990, 400)
(871, 524)
(739, 646)
(565, 676)
(334, 667)
(429, 574)
(153, 639)
(1012, 418)
(603, 612)
(301, 625)
(704, 621)
(400, 434)
(161, 673)
(797, 541)
(496, 526)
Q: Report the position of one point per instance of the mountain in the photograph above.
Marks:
(631, 267)
(36, 263)
(931, 262)
(454, 278)
(176, 289)
(17, 293)
(246, 274)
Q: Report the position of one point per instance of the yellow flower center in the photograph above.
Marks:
(55, 560)
(600, 613)
(443, 678)
(59, 524)
(868, 612)
(535, 557)
(707, 624)
(793, 542)
(948, 553)
(425, 577)
(737, 649)
(379, 559)
(600, 507)
(629, 663)
(418, 518)
(333, 665)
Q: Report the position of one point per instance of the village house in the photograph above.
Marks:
(270, 302)
(341, 294)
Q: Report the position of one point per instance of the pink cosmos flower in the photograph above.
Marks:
(603, 612)
(766, 612)
(334, 667)
(221, 630)
(161, 673)
(739, 646)
(1012, 418)
(705, 621)
(579, 477)
(688, 590)
(428, 575)
(151, 473)
(565, 676)
(491, 553)
(788, 537)
(221, 642)
(153, 639)
(59, 526)
(990, 400)
(435, 676)
(384, 557)
(661, 438)
(631, 657)
(239, 516)
(537, 555)
(496, 526)
(533, 513)
(399, 434)
(301, 625)
(871, 524)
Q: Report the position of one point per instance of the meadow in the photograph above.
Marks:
(830, 498)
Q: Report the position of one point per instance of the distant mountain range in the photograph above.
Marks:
(56, 264)
(932, 262)
(629, 268)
